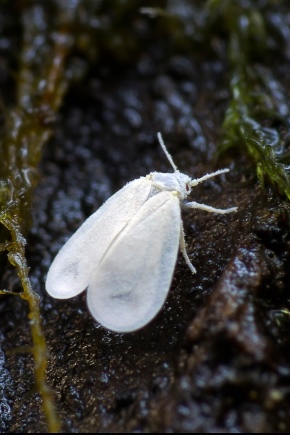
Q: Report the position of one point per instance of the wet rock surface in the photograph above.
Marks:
(216, 358)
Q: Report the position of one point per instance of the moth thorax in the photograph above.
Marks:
(175, 182)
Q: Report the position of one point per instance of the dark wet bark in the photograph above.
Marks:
(216, 358)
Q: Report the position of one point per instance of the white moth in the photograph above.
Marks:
(125, 252)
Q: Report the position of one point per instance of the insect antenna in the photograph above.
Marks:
(196, 181)
(162, 144)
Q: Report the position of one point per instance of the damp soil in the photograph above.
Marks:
(217, 356)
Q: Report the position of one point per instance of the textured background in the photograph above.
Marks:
(216, 358)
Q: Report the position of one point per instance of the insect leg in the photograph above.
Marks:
(208, 208)
(182, 246)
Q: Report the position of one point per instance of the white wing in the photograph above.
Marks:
(72, 268)
(132, 281)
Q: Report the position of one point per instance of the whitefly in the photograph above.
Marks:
(125, 253)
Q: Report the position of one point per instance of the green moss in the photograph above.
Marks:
(242, 128)
(257, 102)
(41, 82)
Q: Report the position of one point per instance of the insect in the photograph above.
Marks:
(125, 253)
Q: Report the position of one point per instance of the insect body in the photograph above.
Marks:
(125, 253)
